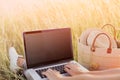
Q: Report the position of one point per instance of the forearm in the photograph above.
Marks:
(107, 77)
(93, 77)
(79, 77)
(103, 72)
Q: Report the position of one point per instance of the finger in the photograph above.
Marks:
(56, 71)
(68, 71)
(44, 73)
(72, 66)
(47, 72)
(67, 66)
(53, 72)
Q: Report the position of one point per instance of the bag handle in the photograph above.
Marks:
(109, 50)
(113, 29)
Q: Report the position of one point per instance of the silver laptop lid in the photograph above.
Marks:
(45, 47)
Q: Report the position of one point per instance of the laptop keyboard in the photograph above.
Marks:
(59, 68)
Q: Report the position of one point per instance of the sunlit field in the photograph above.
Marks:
(17, 16)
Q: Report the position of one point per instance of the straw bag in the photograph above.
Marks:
(98, 58)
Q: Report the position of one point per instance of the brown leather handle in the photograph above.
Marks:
(113, 29)
(109, 50)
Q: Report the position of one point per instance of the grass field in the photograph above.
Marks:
(17, 16)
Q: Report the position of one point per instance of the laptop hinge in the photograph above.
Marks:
(59, 62)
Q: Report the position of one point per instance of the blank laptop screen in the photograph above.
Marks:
(47, 46)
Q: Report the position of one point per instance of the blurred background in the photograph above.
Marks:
(17, 16)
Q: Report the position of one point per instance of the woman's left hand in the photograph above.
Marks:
(53, 74)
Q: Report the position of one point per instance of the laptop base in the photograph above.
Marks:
(31, 74)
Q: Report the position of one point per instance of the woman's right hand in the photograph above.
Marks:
(73, 69)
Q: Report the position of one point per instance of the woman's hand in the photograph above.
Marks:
(73, 69)
(53, 74)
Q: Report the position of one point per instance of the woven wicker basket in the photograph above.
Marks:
(95, 58)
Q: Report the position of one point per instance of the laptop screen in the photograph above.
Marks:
(47, 46)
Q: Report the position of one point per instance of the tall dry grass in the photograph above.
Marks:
(17, 16)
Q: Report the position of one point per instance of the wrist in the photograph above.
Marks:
(63, 78)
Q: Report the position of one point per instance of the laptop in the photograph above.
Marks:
(46, 49)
